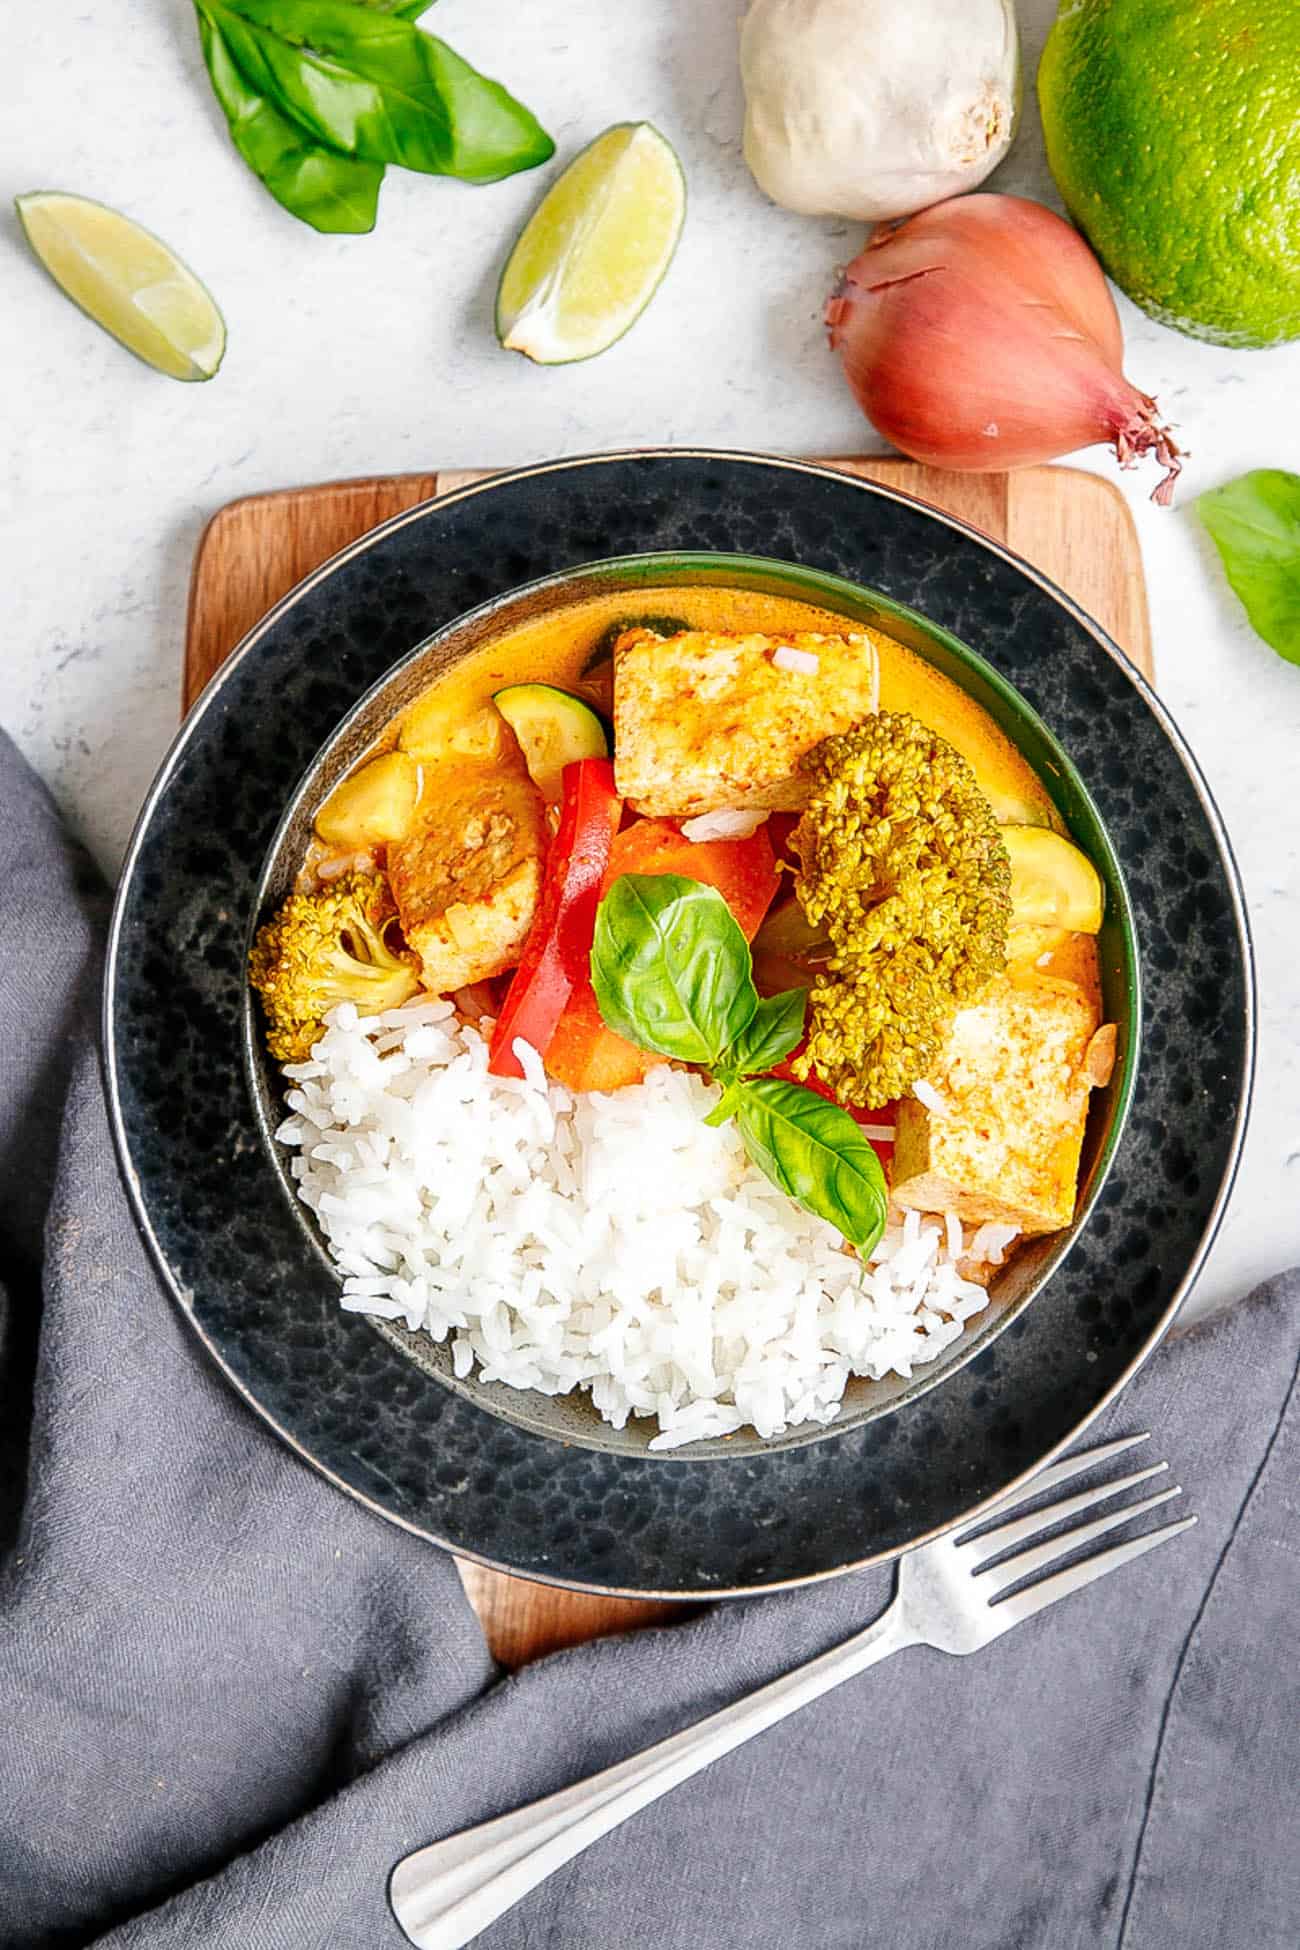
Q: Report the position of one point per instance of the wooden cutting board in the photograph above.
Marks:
(1074, 526)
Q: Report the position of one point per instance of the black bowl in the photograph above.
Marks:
(232, 1249)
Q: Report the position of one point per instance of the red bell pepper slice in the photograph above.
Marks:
(585, 1054)
(780, 830)
(558, 949)
(743, 871)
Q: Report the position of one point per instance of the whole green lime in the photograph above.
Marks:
(1173, 132)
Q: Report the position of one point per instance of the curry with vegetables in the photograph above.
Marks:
(728, 831)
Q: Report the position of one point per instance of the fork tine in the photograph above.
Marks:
(1047, 1479)
(1013, 1611)
(990, 1542)
(1011, 1569)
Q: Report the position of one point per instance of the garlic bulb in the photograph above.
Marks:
(877, 108)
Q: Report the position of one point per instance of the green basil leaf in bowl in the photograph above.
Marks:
(816, 1153)
(670, 967)
(772, 1032)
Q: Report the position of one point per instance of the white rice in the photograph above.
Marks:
(992, 1241)
(729, 823)
(612, 1242)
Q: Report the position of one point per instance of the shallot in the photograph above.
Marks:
(981, 335)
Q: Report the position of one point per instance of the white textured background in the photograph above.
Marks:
(369, 354)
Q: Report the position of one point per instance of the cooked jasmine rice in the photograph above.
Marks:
(612, 1242)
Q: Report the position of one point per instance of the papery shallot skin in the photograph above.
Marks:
(981, 335)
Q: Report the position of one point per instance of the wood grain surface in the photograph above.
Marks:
(1073, 526)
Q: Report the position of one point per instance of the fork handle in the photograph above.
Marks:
(443, 1895)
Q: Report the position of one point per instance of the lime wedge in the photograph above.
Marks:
(591, 256)
(127, 280)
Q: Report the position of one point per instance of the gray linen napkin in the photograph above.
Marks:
(230, 1699)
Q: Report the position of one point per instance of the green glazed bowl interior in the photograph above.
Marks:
(571, 1418)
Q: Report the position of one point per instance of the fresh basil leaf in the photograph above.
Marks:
(399, 9)
(725, 1108)
(670, 967)
(1254, 522)
(813, 1150)
(330, 191)
(774, 1029)
(374, 86)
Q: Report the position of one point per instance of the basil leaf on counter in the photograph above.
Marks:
(670, 967)
(813, 1150)
(774, 1029)
(1254, 523)
(330, 191)
(373, 86)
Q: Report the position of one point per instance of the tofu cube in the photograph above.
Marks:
(466, 880)
(1014, 1083)
(704, 721)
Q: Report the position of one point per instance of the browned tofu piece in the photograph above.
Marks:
(1013, 1081)
(704, 721)
(467, 878)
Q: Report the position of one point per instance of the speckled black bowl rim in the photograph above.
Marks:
(585, 1519)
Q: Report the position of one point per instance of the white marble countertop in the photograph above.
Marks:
(373, 354)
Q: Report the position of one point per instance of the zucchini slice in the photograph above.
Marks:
(1053, 884)
(554, 729)
(609, 636)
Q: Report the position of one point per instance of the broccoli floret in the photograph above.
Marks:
(324, 948)
(902, 865)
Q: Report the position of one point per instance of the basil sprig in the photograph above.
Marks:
(670, 967)
(774, 1029)
(331, 192)
(1254, 522)
(672, 973)
(321, 95)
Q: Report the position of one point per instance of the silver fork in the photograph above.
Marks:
(949, 1595)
